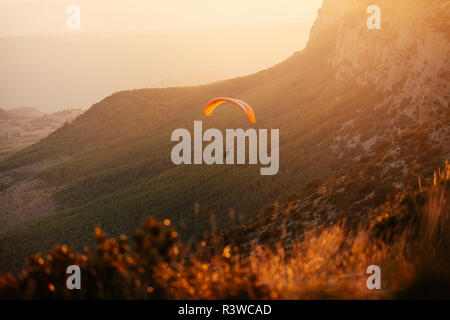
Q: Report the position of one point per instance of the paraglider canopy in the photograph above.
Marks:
(213, 104)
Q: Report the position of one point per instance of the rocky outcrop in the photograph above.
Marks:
(407, 129)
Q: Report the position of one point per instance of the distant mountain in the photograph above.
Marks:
(361, 112)
(26, 112)
(58, 118)
(5, 115)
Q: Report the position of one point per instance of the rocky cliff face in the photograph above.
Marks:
(406, 61)
(402, 135)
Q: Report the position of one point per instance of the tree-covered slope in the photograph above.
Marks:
(337, 101)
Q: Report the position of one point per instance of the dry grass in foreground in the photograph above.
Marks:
(408, 238)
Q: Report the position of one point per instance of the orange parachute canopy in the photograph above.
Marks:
(213, 104)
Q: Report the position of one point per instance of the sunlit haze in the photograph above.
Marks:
(139, 44)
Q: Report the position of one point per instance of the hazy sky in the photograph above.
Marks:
(19, 17)
(178, 42)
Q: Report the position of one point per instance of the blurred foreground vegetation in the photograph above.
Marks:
(408, 238)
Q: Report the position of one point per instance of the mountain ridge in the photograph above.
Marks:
(408, 156)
